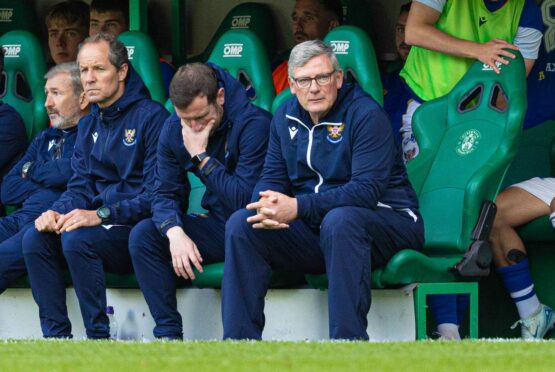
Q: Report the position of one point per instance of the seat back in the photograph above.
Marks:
(17, 15)
(280, 99)
(467, 141)
(23, 79)
(241, 53)
(355, 53)
(143, 56)
(255, 17)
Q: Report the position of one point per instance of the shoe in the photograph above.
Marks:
(536, 325)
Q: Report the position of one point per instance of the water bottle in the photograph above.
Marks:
(113, 323)
(129, 328)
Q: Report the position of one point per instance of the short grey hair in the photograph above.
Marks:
(304, 51)
(72, 69)
(117, 52)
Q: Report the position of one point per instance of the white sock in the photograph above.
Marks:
(528, 306)
(552, 219)
(448, 331)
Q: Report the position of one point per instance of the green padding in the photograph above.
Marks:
(321, 281)
(235, 51)
(144, 58)
(212, 275)
(24, 57)
(17, 15)
(539, 230)
(25, 283)
(355, 53)
(281, 98)
(197, 192)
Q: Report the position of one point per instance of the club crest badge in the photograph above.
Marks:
(468, 142)
(335, 133)
(129, 138)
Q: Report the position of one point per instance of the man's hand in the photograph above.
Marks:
(47, 222)
(77, 218)
(494, 52)
(196, 141)
(184, 252)
(274, 210)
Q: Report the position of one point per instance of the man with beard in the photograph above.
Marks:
(41, 175)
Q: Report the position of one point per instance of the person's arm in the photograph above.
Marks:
(421, 31)
(529, 34)
(13, 138)
(235, 189)
(53, 173)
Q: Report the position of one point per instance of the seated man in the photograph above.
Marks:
(112, 17)
(13, 137)
(310, 20)
(333, 197)
(217, 134)
(67, 24)
(110, 191)
(40, 177)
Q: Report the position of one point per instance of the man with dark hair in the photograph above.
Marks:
(310, 20)
(67, 24)
(13, 137)
(110, 191)
(40, 177)
(109, 16)
(333, 197)
(217, 134)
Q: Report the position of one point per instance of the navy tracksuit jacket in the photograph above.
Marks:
(113, 165)
(355, 209)
(237, 149)
(50, 154)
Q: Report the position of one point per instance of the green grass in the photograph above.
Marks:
(276, 356)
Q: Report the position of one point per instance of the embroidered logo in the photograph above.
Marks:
(129, 138)
(468, 142)
(335, 133)
(482, 20)
(293, 132)
(95, 136)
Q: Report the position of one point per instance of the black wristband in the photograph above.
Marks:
(197, 159)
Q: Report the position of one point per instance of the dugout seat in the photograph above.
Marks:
(23, 79)
(467, 142)
(17, 15)
(143, 56)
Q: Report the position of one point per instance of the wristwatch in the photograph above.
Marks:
(197, 159)
(25, 169)
(103, 213)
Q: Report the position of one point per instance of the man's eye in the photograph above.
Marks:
(304, 81)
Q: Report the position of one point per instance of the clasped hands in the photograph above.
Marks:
(51, 221)
(274, 211)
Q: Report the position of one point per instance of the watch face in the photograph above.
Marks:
(103, 212)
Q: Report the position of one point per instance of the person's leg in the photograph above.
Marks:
(153, 266)
(89, 252)
(45, 264)
(249, 256)
(355, 240)
(12, 263)
(444, 308)
(9, 226)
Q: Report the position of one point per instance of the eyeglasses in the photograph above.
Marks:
(321, 80)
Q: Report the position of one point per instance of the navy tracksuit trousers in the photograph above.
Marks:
(152, 261)
(89, 252)
(351, 241)
(12, 265)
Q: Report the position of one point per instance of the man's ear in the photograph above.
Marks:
(122, 72)
(333, 24)
(292, 85)
(220, 97)
(83, 102)
(339, 78)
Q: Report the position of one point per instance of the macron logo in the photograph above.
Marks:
(241, 21)
(51, 143)
(340, 46)
(6, 14)
(233, 50)
(11, 50)
(293, 132)
(130, 52)
(95, 136)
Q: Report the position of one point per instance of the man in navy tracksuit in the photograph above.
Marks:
(221, 137)
(334, 197)
(41, 175)
(110, 191)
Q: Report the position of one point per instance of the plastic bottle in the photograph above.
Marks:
(129, 328)
(113, 322)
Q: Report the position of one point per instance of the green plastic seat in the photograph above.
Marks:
(255, 17)
(466, 146)
(242, 54)
(355, 53)
(280, 99)
(143, 56)
(24, 69)
(17, 15)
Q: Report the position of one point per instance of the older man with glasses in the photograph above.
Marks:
(333, 198)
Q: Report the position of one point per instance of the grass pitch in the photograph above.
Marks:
(276, 356)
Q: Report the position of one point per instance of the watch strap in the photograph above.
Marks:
(197, 159)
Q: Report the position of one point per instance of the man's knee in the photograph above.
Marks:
(35, 241)
(237, 224)
(342, 221)
(142, 236)
(77, 240)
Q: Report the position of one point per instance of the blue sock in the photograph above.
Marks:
(444, 308)
(518, 281)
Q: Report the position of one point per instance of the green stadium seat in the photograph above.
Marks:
(17, 15)
(255, 17)
(144, 58)
(281, 98)
(466, 146)
(24, 70)
(355, 53)
(236, 52)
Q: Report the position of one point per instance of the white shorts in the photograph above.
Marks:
(541, 188)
